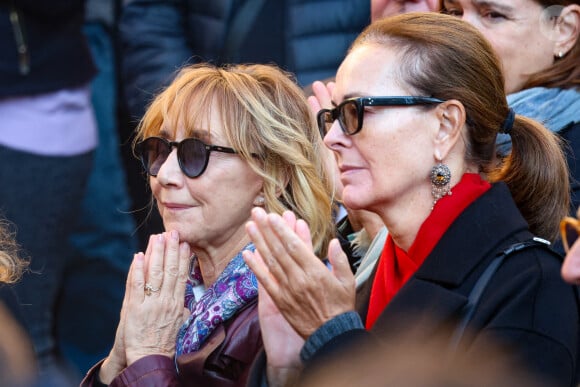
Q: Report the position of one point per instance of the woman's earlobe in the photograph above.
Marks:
(259, 201)
(567, 30)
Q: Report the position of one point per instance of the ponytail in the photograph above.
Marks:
(536, 173)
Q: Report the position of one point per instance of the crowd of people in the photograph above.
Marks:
(259, 193)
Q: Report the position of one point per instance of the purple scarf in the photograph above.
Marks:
(234, 288)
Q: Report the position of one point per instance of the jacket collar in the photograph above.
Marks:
(484, 229)
(432, 291)
(498, 219)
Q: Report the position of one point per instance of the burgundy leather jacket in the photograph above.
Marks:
(223, 360)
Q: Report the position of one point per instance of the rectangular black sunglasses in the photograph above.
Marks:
(350, 112)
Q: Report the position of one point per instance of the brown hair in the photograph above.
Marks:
(447, 58)
(564, 73)
(264, 112)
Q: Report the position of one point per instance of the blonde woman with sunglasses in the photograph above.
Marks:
(215, 144)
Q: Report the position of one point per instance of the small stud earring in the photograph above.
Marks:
(560, 54)
(260, 201)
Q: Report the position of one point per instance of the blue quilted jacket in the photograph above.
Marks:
(306, 37)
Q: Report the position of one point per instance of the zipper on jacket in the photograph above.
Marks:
(22, 47)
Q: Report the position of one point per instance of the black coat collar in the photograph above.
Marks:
(482, 231)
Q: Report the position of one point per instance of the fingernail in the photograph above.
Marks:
(174, 235)
(161, 238)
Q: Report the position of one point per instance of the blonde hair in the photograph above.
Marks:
(447, 58)
(264, 113)
(11, 264)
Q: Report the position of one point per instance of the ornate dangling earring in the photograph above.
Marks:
(440, 178)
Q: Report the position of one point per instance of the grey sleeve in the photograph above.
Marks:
(340, 324)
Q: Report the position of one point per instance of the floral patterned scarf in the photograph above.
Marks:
(234, 288)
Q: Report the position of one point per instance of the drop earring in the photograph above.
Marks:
(440, 179)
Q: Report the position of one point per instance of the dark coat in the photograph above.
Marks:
(526, 305)
(223, 360)
(56, 54)
(308, 38)
(570, 136)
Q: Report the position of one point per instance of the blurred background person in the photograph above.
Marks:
(570, 230)
(66, 190)
(48, 135)
(538, 43)
(384, 8)
(105, 236)
(216, 143)
(17, 360)
(571, 266)
(413, 359)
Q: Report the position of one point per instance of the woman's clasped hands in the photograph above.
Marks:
(153, 308)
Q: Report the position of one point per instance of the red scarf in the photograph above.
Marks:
(396, 266)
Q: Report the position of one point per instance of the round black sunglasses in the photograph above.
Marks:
(192, 154)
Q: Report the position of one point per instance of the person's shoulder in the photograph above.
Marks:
(540, 259)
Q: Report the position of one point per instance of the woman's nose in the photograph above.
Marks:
(334, 136)
(170, 172)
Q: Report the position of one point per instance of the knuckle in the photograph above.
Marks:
(278, 250)
(156, 273)
(292, 246)
(172, 271)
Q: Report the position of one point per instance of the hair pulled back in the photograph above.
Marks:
(447, 58)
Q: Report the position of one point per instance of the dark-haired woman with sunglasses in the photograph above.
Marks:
(215, 144)
(418, 103)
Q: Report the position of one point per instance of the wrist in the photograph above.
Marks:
(109, 370)
(282, 377)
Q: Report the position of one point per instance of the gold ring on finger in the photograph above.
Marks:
(150, 289)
